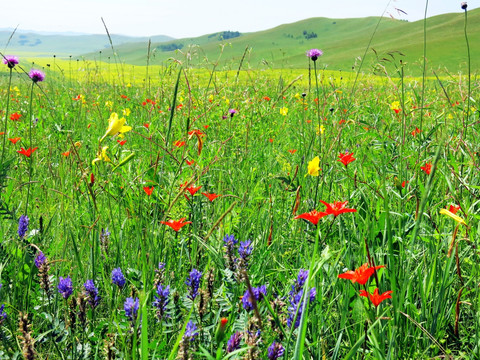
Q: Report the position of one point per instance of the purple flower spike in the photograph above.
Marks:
(161, 301)
(118, 278)
(22, 226)
(40, 259)
(302, 277)
(245, 249)
(258, 293)
(190, 331)
(234, 342)
(314, 54)
(275, 351)
(92, 293)
(65, 287)
(193, 282)
(3, 314)
(10, 61)
(36, 75)
(131, 308)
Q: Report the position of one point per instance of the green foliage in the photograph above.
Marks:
(119, 213)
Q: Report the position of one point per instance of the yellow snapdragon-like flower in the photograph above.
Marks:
(116, 126)
(314, 167)
(453, 216)
(284, 111)
(102, 155)
(320, 129)
(395, 105)
(126, 112)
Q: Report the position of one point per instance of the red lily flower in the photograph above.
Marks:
(121, 142)
(66, 153)
(454, 208)
(147, 125)
(179, 143)
(27, 152)
(176, 224)
(148, 190)
(211, 197)
(337, 208)
(15, 140)
(361, 275)
(313, 216)
(376, 298)
(15, 116)
(197, 132)
(427, 168)
(192, 189)
(189, 162)
(416, 131)
(293, 151)
(346, 158)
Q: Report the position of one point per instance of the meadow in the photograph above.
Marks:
(180, 213)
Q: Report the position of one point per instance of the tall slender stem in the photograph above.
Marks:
(6, 113)
(30, 168)
(466, 116)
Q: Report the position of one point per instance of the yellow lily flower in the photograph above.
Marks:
(453, 216)
(284, 111)
(314, 167)
(116, 126)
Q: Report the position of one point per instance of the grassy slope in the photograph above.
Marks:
(343, 41)
(63, 45)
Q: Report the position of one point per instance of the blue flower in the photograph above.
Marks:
(161, 301)
(245, 249)
(302, 277)
(190, 331)
(40, 259)
(234, 342)
(22, 226)
(3, 314)
(92, 293)
(258, 293)
(118, 278)
(275, 351)
(193, 281)
(65, 287)
(131, 308)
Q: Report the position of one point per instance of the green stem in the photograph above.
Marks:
(30, 139)
(466, 116)
(6, 114)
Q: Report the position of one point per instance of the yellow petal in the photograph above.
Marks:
(314, 167)
(453, 216)
(125, 129)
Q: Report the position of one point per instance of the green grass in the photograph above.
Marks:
(342, 40)
(257, 158)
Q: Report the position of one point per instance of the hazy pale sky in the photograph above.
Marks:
(189, 18)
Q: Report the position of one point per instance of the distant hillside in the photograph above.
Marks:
(343, 41)
(37, 44)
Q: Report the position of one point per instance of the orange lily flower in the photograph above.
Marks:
(176, 224)
(376, 298)
(313, 216)
(361, 275)
(337, 208)
(27, 152)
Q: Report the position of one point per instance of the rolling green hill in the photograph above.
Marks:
(34, 44)
(343, 41)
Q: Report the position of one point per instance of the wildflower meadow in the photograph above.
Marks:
(209, 214)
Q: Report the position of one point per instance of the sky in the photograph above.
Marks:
(190, 18)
